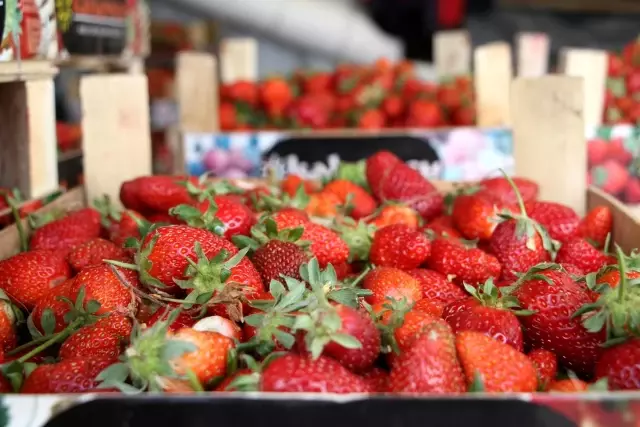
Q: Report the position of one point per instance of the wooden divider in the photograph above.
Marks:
(239, 59)
(116, 139)
(452, 53)
(492, 74)
(548, 137)
(532, 50)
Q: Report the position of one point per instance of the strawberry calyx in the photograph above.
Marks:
(393, 312)
(354, 172)
(616, 309)
(207, 277)
(251, 381)
(147, 362)
(194, 217)
(534, 273)
(357, 235)
(22, 234)
(451, 196)
(327, 288)
(108, 211)
(266, 231)
(489, 295)
(300, 200)
(206, 188)
(277, 316)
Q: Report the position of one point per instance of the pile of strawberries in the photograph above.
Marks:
(622, 96)
(297, 286)
(383, 95)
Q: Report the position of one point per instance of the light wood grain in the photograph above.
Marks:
(9, 237)
(116, 134)
(11, 71)
(548, 137)
(452, 53)
(239, 59)
(532, 50)
(493, 72)
(591, 65)
(197, 92)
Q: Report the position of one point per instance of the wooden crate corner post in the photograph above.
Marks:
(548, 137)
(28, 154)
(238, 59)
(116, 139)
(197, 100)
(532, 50)
(492, 74)
(452, 53)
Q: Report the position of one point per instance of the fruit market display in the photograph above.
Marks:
(300, 286)
(622, 96)
(382, 95)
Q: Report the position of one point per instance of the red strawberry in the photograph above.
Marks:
(236, 217)
(546, 364)
(291, 183)
(580, 253)
(378, 379)
(632, 191)
(620, 364)
(290, 217)
(93, 252)
(461, 262)
(28, 276)
(292, 373)
(597, 150)
(92, 341)
(326, 244)
(436, 286)
(405, 184)
(68, 232)
(611, 176)
(346, 191)
(53, 301)
(209, 358)
(443, 226)
(500, 367)
(402, 323)
(554, 299)
(396, 214)
(569, 385)
(76, 375)
(157, 193)
(499, 190)
(278, 258)
(183, 320)
(559, 220)
(429, 365)
(519, 243)
(399, 246)
(596, 225)
(475, 216)
(432, 307)
(8, 320)
(619, 152)
(102, 284)
(388, 282)
(125, 228)
(487, 313)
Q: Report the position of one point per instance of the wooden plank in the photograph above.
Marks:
(11, 71)
(197, 92)
(548, 137)
(452, 53)
(626, 225)
(14, 137)
(239, 59)
(591, 65)
(532, 51)
(9, 237)
(116, 138)
(493, 72)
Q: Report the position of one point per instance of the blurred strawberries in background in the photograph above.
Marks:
(381, 95)
(622, 97)
(68, 136)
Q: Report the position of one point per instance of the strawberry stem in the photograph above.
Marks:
(517, 192)
(22, 235)
(30, 344)
(622, 264)
(53, 339)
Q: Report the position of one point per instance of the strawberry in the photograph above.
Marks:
(92, 341)
(553, 297)
(597, 151)
(77, 375)
(157, 193)
(290, 217)
(596, 225)
(443, 226)
(611, 176)
(487, 312)
(28, 276)
(352, 194)
(462, 262)
(499, 367)
(569, 385)
(357, 235)
(391, 213)
(404, 184)
(631, 192)
(293, 373)
(236, 217)
(432, 307)
(377, 378)
(519, 242)
(291, 183)
(183, 320)
(389, 282)
(126, 227)
(278, 258)
(436, 286)
(102, 283)
(93, 252)
(619, 151)
(323, 205)
(9, 317)
(580, 253)
(209, 358)
(399, 246)
(221, 325)
(429, 365)
(546, 364)
(475, 216)
(620, 364)
(377, 168)
(560, 221)
(68, 232)
(52, 301)
(500, 190)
